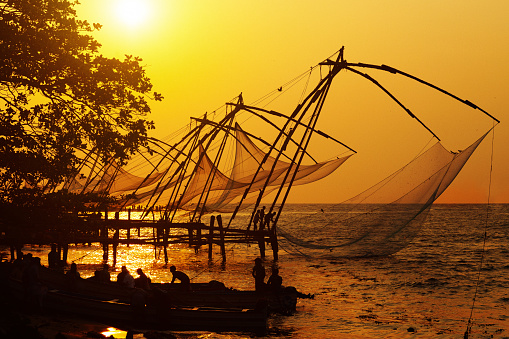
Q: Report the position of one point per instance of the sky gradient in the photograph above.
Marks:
(200, 54)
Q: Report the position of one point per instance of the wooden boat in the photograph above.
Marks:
(212, 294)
(146, 311)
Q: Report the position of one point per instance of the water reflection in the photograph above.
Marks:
(115, 332)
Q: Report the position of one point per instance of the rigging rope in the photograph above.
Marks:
(469, 323)
(83, 256)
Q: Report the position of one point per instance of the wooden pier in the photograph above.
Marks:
(111, 233)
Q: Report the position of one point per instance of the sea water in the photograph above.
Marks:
(456, 269)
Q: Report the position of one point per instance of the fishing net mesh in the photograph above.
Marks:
(383, 219)
(202, 185)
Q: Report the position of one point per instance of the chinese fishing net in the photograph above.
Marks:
(383, 219)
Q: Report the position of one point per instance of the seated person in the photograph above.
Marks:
(124, 278)
(103, 275)
(182, 277)
(72, 276)
(142, 281)
(275, 281)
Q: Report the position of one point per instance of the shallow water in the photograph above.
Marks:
(426, 290)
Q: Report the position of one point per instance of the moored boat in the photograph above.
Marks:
(211, 294)
(145, 311)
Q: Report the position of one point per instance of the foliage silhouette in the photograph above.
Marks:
(60, 99)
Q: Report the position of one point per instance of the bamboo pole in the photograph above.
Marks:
(211, 235)
(221, 237)
(166, 233)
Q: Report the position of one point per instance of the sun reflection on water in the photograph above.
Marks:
(115, 332)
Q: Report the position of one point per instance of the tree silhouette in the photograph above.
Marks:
(59, 98)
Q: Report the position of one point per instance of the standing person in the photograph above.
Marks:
(256, 218)
(182, 277)
(259, 274)
(262, 217)
(53, 257)
(269, 217)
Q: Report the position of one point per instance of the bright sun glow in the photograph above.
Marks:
(133, 13)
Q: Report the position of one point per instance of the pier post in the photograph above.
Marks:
(273, 242)
(198, 237)
(128, 226)
(221, 237)
(211, 235)
(64, 253)
(191, 236)
(166, 232)
(104, 235)
(116, 236)
(261, 242)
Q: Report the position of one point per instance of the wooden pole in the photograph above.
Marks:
(115, 245)
(104, 235)
(128, 227)
(211, 235)
(64, 253)
(261, 242)
(221, 237)
(198, 237)
(166, 232)
(274, 243)
(190, 233)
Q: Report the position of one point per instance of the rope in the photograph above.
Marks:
(469, 323)
(83, 256)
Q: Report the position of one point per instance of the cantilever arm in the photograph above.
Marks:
(392, 97)
(251, 109)
(396, 71)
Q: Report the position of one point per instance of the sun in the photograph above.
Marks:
(133, 13)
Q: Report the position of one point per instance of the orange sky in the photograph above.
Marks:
(200, 54)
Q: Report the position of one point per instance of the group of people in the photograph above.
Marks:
(274, 283)
(124, 278)
(262, 219)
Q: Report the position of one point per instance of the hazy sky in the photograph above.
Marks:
(200, 54)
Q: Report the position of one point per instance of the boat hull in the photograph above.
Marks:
(144, 312)
(213, 294)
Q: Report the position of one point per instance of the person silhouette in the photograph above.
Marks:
(124, 278)
(275, 281)
(103, 275)
(258, 274)
(262, 217)
(72, 276)
(53, 257)
(182, 277)
(142, 281)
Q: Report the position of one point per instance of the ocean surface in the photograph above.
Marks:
(426, 290)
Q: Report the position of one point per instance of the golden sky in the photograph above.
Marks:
(201, 54)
